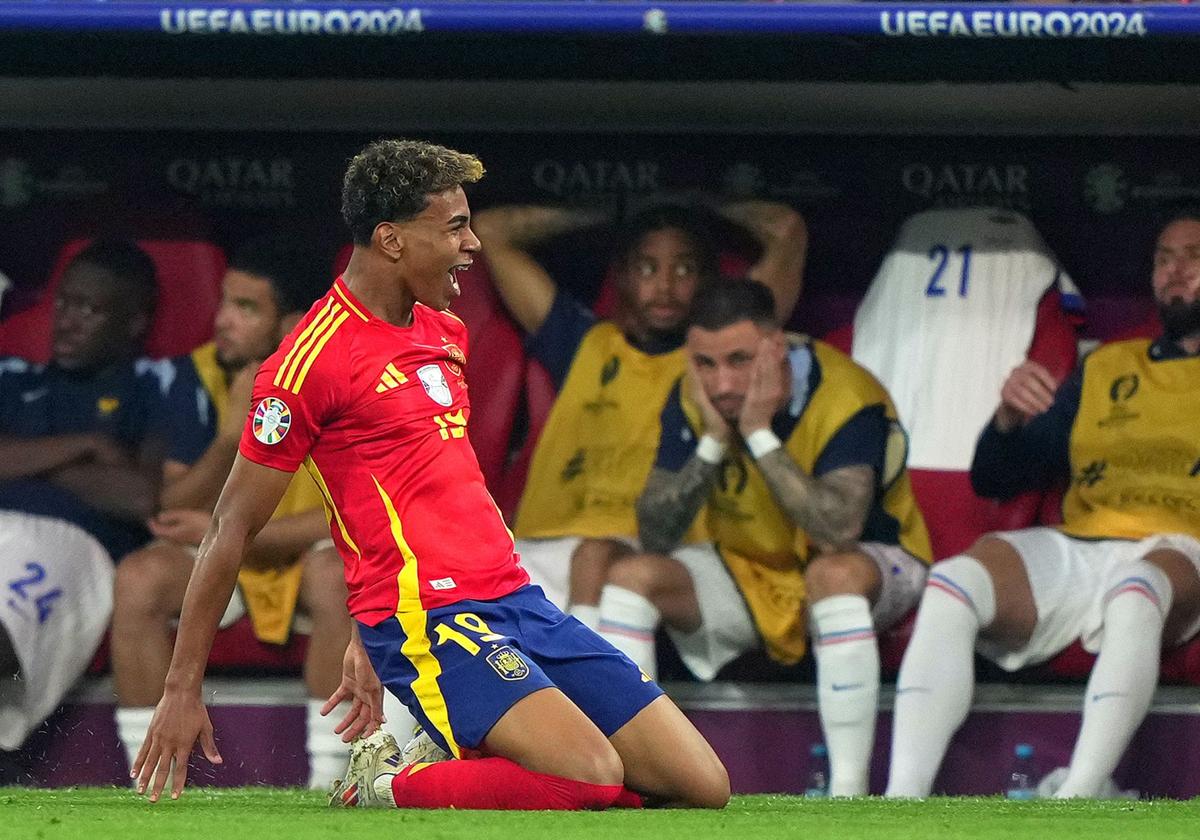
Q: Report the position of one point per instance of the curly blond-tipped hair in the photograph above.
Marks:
(391, 180)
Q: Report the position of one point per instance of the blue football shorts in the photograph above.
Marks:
(459, 668)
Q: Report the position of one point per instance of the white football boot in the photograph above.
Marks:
(374, 760)
(421, 749)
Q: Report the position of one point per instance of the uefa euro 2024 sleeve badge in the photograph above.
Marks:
(272, 419)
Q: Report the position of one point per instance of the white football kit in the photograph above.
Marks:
(56, 585)
(950, 313)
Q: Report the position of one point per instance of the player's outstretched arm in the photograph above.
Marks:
(507, 234)
(783, 236)
(180, 720)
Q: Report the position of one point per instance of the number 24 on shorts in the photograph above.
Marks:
(20, 587)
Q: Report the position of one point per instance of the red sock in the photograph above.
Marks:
(628, 799)
(496, 784)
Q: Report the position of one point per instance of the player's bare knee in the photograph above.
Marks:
(712, 788)
(1181, 572)
(141, 582)
(323, 582)
(636, 573)
(996, 555)
(646, 574)
(839, 574)
(600, 766)
(600, 551)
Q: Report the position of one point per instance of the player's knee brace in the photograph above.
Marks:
(964, 578)
(1140, 579)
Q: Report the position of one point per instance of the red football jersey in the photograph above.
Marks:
(378, 414)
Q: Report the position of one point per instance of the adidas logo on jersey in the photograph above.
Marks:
(391, 378)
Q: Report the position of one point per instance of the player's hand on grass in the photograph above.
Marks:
(361, 686)
(179, 721)
(1028, 392)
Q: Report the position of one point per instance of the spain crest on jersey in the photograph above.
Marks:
(434, 382)
(508, 664)
(457, 358)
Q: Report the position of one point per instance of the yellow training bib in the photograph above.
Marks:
(1135, 446)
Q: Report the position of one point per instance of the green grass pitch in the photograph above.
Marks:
(267, 813)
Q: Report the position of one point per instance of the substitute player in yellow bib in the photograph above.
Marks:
(791, 457)
(576, 512)
(1122, 573)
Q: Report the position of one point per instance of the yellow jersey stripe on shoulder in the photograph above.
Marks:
(455, 317)
(325, 320)
(312, 357)
(349, 303)
(309, 342)
(417, 647)
(300, 339)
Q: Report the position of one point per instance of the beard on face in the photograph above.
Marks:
(1179, 319)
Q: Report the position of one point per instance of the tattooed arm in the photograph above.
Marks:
(671, 501)
(832, 509)
(681, 479)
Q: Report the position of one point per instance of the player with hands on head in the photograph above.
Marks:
(791, 456)
(576, 514)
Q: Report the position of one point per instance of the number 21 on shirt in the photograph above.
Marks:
(939, 255)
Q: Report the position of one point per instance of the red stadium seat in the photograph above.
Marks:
(955, 516)
(842, 338)
(236, 649)
(1180, 666)
(342, 259)
(189, 292)
(495, 370)
(539, 399)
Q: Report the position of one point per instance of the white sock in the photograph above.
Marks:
(1123, 679)
(328, 757)
(847, 688)
(588, 614)
(400, 721)
(628, 622)
(133, 722)
(937, 675)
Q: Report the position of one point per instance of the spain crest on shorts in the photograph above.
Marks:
(508, 664)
